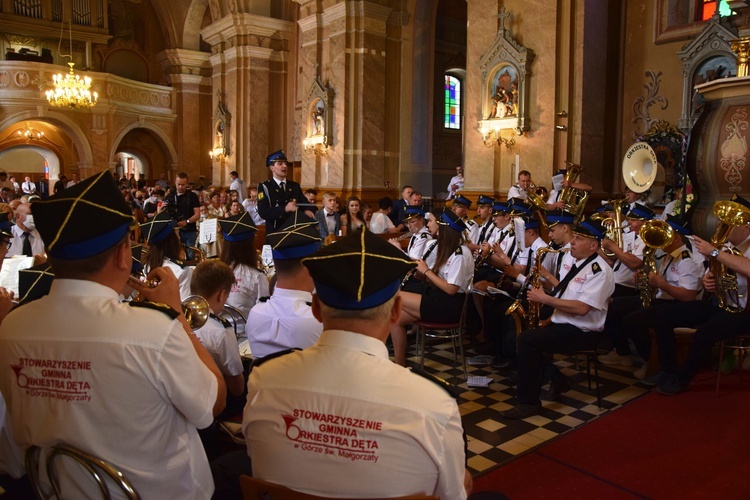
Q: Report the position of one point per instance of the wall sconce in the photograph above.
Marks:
(29, 134)
(219, 154)
(491, 131)
(315, 144)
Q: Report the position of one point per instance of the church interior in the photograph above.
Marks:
(367, 96)
(364, 97)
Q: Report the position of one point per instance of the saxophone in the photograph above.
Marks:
(655, 234)
(528, 319)
(730, 214)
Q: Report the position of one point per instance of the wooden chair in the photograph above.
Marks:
(257, 489)
(591, 356)
(94, 466)
(740, 343)
(445, 331)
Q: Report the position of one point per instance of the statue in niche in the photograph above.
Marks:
(505, 98)
(318, 119)
(219, 139)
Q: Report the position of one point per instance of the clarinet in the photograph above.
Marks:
(411, 272)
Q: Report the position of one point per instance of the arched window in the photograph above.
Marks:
(452, 102)
(708, 8)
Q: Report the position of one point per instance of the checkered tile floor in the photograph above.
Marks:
(493, 440)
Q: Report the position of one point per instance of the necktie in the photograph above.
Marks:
(481, 235)
(27, 245)
(282, 185)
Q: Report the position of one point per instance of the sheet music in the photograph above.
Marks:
(9, 271)
(266, 255)
(207, 231)
(520, 228)
(557, 182)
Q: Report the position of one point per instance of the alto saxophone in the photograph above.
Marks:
(528, 319)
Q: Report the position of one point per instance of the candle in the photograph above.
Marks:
(517, 169)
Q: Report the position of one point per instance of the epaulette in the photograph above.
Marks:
(596, 268)
(470, 223)
(424, 236)
(224, 322)
(458, 251)
(181, 263)
(264, 299)
(686, 254)
(260, 361)
(447, 387)
(156, 306)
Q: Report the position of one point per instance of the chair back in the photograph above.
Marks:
(257, 489)
(97, 468)
(234, 316)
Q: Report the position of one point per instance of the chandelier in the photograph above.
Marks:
(30, 134)
(70, 91)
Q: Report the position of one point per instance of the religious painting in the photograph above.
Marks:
(319, 135)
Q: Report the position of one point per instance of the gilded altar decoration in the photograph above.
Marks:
(734, 150)
(222, 124)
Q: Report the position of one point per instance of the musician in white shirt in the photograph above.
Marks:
(519, 190)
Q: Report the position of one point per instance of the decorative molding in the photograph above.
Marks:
(29, 41)
(734, 150)
(505, 52)
(642, 118)
(715, 41)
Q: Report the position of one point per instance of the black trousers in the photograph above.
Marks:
(713, 325)
(626, 318)
(533, 345)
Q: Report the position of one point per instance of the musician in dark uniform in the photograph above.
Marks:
(278, 197)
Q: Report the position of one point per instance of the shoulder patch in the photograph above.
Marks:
(686, 254)
(447, 387)
(224, 322)
(261, 195)
(424, 236)
(458, 251)
(260, 361)
(596, 268)
(157, 307)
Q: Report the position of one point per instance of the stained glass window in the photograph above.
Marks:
(708, 8)
(452, 102)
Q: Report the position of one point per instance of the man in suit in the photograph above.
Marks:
(399, 206)
(329, 220)
(277, 197)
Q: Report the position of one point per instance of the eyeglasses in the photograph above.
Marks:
(7, 243)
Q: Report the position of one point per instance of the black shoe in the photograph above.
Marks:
(556, 389)
(521, 411)
(503, 364)
(657, 379)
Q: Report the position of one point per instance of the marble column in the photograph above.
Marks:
(187, 71)
(345, 45)
(249, 62)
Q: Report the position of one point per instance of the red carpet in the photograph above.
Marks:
(693, 445)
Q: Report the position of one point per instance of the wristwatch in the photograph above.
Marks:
(714, 253)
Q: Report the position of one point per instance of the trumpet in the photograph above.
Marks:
(655, 234)
(730, 215)
(143, 281)
(195, 308)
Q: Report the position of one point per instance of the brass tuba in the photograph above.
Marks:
(528, 319)
(613, 224)
(538, 203)
(655, 234)
(730, 214)
(574, 199)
